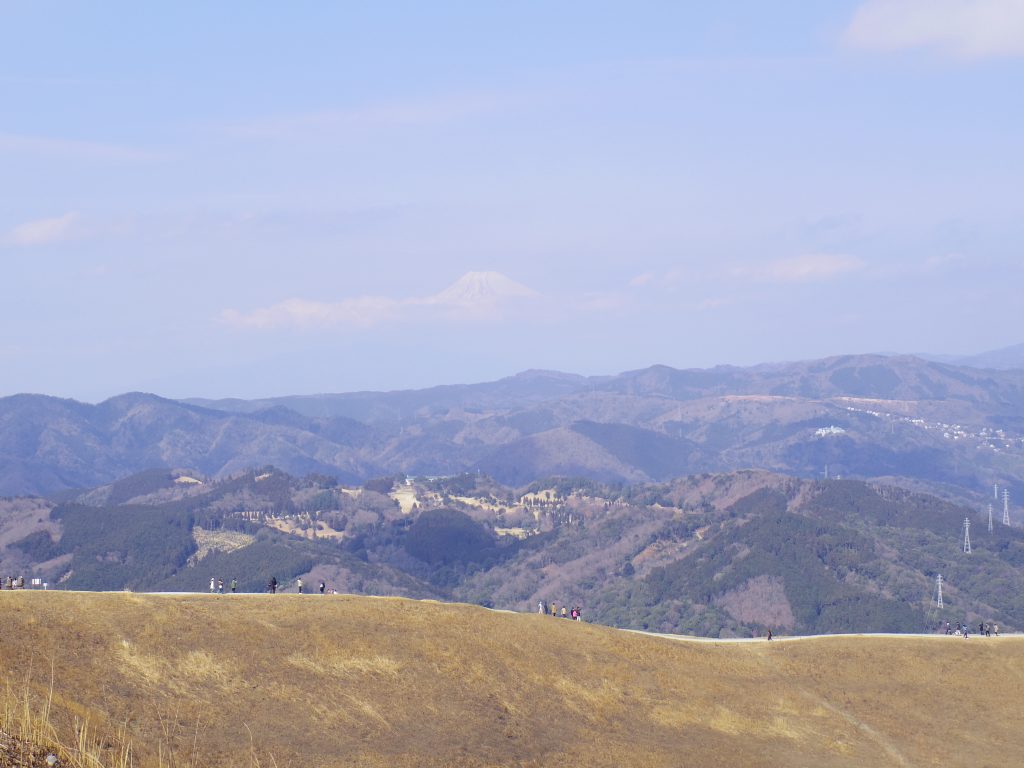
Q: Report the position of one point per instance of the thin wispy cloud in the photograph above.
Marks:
(358, 312)
(642, 280)
(962, 28)
(934, 266)
(715, 302)
(945, 261)
(440, 110)
(475, 296)
(808, 268)
(604, 302)
(43, 231)
(47, 146)
(678, 289)
(673, 278)
(60, 81)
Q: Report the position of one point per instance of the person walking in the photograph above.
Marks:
(995, 628)
(300, 586)
(540, 607)
(565, 613)
(323, 586)
(220, 586)
(234, 586)
(769, 633)
(213, 584)
(273, 585)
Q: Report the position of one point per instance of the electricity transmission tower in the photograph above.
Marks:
(990, 518)
(995, 490)
(1006, 506)
(938, 591)
(967, 535)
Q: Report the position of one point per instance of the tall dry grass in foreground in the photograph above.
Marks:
(28, 719)
(31, 737)
(197, 681)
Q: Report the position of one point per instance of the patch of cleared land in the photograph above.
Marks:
(518, 533)
(487, 504)
(352, 681)
(218, 541)
(406, 498)
(305, 528)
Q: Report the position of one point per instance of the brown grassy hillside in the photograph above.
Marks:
(330, 681)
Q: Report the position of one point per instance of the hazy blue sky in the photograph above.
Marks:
(246, 199)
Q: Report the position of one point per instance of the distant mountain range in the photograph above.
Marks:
(954, 429)
(1004, 359)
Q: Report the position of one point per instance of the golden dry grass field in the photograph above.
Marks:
(316, 681)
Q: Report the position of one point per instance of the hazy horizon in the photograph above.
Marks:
(951, 359)
(252, 201)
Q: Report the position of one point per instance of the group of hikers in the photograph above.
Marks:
(321, 587)
(12, 582)
(217, 586)
(961, 629)
(575, 613)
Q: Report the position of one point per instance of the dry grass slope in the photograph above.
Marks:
(330, 681)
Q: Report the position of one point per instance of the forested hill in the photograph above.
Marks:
(720, 555)
(861, 416)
